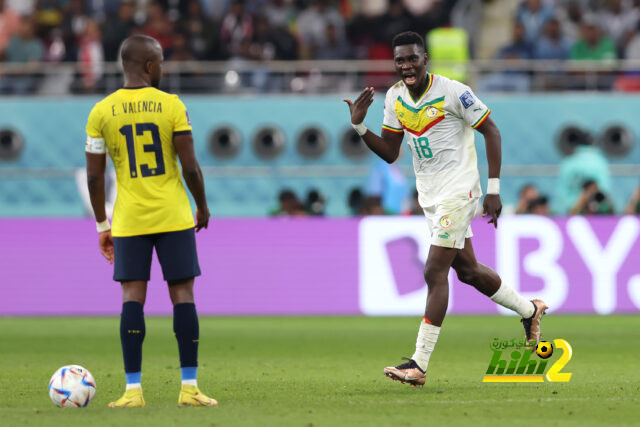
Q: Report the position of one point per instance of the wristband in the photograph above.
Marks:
(360, 128)
(103, 226)
(493, 186)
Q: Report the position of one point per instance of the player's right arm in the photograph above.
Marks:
(96, 155)
(386, 147)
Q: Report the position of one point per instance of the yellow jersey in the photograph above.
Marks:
(136, 126)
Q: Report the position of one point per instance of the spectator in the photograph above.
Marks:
(570, 18)
(290, 205)
(387, 182)
(280, 14)
(315, 203)
(312, 26)
(355, 201)
(593, 45)
(236, 30)
(587, 163)
(633, 205)
(180, 49)
(517, 49)
(592, 201)
(118, 29)
(332, 47)
(9, 26)
(394, 21)
(159, 26)
(528, 194)
(73, 25)
(202, 33)
(618, 23)
(533, 15)
(553, 44)
(24, 50)
(91, 56)
(539, 206)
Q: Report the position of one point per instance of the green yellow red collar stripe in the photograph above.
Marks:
(429, 83)
(481, 119)
(392, 129)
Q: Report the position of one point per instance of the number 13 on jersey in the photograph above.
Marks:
(422, 149)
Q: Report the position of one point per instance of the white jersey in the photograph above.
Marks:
(438, 128)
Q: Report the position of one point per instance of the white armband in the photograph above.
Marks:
(493, 186)
(95, 145)
(360, 128)
(103, 226)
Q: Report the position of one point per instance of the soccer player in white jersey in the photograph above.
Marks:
(437, 117)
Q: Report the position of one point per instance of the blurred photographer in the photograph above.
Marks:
(592, 201)
(633, 205)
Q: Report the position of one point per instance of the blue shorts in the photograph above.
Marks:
(176, 252)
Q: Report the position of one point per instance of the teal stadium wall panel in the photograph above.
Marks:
(41, 181)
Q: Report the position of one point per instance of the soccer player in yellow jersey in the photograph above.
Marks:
(145, 132)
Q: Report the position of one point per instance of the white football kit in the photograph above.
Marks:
(439, 129)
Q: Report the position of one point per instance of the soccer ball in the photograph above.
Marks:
(544, 349)
(72, 386)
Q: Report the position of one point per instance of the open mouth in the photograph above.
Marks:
(409, 79)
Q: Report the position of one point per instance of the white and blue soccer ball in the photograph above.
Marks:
(72, 386)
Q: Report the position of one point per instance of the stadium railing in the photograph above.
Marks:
(331, 76)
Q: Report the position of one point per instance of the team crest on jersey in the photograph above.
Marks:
(445, 222)
(419, 120)
(432, 112)
(467, 99)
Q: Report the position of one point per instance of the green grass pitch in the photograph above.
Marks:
(322, 371)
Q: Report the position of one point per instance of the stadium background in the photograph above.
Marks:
(305, 220)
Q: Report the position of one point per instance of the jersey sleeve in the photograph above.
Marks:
(95, 140)
(469, 107)
(390, 121)
(181, 120)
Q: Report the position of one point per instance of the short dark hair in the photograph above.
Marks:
(407, 37)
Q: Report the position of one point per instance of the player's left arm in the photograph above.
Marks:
(492, 204)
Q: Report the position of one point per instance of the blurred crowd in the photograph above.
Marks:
(596, 30)
(90, 32)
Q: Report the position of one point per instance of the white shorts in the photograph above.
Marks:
(450, 221)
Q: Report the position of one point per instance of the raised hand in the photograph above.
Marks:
(492, 206)
(359, 108)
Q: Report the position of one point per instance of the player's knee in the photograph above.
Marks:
(434, 276)
(467, 275)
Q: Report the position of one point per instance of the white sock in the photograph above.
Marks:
(509, 298)
(427, 338)
(190, 382)
(133, 385)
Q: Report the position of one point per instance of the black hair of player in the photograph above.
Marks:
(407, 37)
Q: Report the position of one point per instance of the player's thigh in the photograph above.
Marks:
(178, 255)
(451, 222)
(132, 258)
(438, 263)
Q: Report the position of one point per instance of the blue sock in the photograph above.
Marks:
(189, 373)
(133, 377)
(186, 328)
(132, 332)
